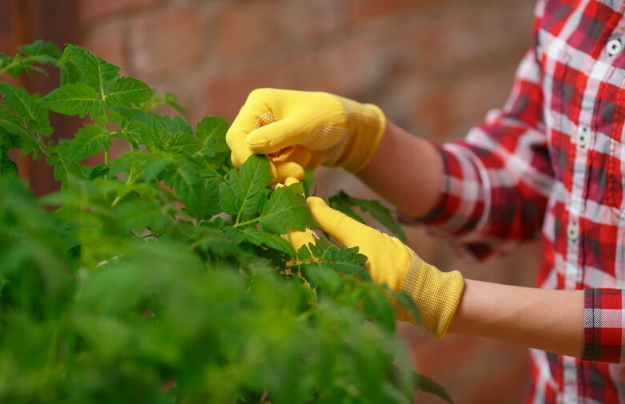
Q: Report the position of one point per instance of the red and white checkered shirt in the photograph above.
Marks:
(551, 165)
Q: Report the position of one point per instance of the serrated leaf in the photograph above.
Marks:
(384, 216)
(72, 99)
(27, 106)
(69, 74)
(259, 238)
(43, 52)
(286, 209)
(13, 125)
(212, 132)
(94, 71)
(226, 200)
(126, 91)
(7, 167)
(345, 203)
(140, 214)
(345, 260)
(146, 165)
(64, 169)
(90, 140)
(203, 203)
(252, 184)
(183, 143)
(98, 171)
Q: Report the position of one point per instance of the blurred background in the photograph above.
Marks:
(434, 66)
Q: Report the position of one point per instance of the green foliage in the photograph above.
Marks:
(346, 204)
(165, 267)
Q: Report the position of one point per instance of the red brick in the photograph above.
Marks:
(304, 22)
(108, 42)
(364, 10)
(91, 10)
(165, 41)
(248, 28)
(225, 93)
(350, 67)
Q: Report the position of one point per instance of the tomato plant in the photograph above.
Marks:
(165, 267)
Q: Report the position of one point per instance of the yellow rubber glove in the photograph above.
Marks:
(335, 131)
(435, 293)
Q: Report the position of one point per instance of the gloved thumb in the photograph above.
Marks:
(273, 137)
(346, 230)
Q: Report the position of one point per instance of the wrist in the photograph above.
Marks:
(366, 124)
(437, 295)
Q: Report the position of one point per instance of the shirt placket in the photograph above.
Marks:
(582, 137)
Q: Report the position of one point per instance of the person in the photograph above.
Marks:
(547, 165)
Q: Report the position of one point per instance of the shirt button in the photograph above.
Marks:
(572, 232)
(583, 137)
(614, 46)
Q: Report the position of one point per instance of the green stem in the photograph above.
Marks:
(131, 180)
(246, 223)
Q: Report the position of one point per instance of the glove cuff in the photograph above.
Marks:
(435, 293)
(366, 124)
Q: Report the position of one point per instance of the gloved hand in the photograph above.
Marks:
(333, 131)
(435, 293)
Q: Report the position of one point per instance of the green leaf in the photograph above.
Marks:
(94, 71)
(345, 260)
(7, 167)
(430, 386)
(203, 203)
(27, 106)
(259, 238)
(64, 169)
(13, 125)
(252, 184)
(227, 200)
(146, 165)
(90, 140)
(126, 91)
(72, 99)
(408, 305)
(183, 143)
(345, 203)
(43, 52)
(212, 132)
(286, 209)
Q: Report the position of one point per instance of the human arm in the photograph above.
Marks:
(552, 320)
(400, 159)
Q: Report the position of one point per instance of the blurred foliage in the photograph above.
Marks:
(160, 276)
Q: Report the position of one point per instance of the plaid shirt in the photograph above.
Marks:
(550, 164)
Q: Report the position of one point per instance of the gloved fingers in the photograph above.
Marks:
(236, 137)
(346, 230)
(275, 136)
(296, 154)
(288, 169)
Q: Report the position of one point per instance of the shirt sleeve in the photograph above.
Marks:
(604, 329)
(496, 181)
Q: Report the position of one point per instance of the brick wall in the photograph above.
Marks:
(435, 67)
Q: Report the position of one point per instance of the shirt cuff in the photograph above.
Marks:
(603, 325)
(460, 206)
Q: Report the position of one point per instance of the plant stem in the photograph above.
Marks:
(246, 223)
(131, 180)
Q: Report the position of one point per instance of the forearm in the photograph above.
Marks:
(406, 171)
(551, 320)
